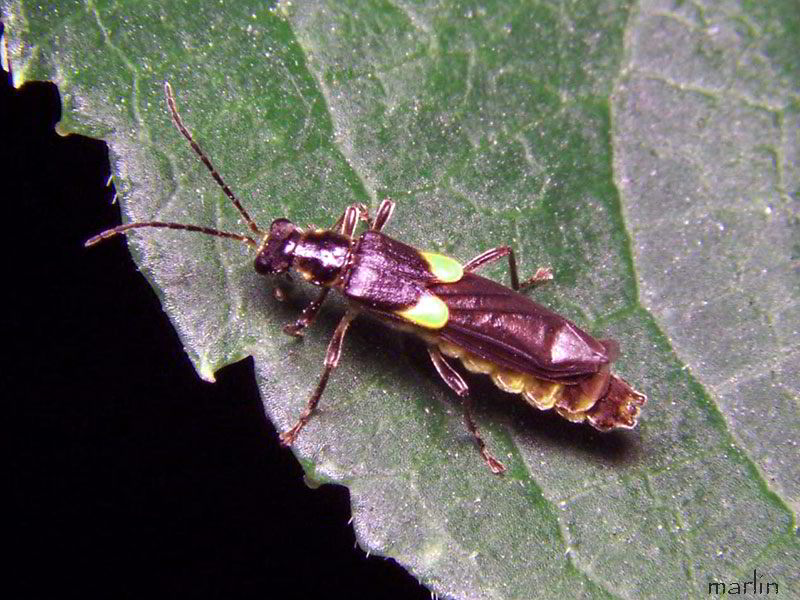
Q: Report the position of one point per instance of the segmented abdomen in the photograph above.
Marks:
(603, 399)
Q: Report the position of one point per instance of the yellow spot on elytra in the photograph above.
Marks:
(430, 312)
(444, 268)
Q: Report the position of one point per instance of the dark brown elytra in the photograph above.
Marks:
(525, 348)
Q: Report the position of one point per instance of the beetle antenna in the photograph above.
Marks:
(176, 118)
(198, 228)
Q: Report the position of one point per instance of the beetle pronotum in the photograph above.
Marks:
(525, 348)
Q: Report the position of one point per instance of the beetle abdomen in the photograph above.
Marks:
(603, 399)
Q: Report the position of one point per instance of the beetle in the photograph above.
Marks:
(491, 329)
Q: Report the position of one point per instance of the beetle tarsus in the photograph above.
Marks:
(495, 465)
(542, 275)
(363, 214)
(287, 437)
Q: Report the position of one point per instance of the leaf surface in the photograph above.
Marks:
(647, 152)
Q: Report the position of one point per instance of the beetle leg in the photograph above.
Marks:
(459, 386)
(384, 213)
(307, 316)
(541, 274)
(331, 360)
(350, 219)
(363, 214)
(346, 224)
(358, 212)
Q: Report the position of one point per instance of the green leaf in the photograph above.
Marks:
(647, 152)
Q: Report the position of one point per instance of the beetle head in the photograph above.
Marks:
(276, 251)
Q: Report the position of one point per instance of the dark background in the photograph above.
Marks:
(130, 477)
